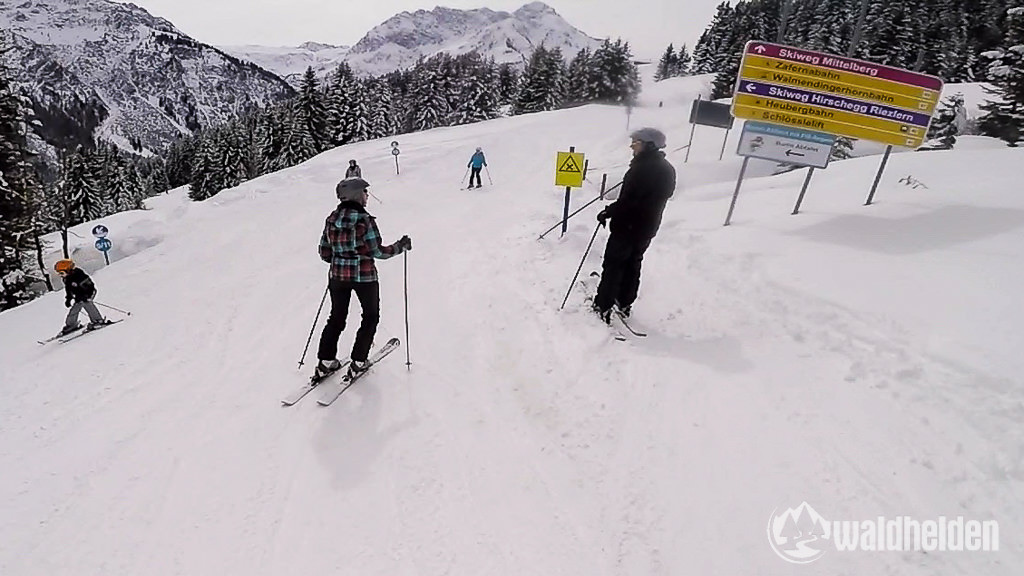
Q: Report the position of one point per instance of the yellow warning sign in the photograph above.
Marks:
(569, 169)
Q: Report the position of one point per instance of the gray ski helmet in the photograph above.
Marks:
(351, 189)
(653, 135)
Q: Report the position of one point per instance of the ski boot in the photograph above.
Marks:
(357, 367)
(325, 368)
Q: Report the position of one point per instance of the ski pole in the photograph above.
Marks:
(312, 328)
(405, 275)
(573, 283)
(125, 312)
(541, 237)
(464, 176)
(488, 175)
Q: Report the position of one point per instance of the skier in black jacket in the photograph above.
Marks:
(635, 219)
(78, 286)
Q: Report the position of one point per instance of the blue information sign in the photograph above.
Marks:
(103, 244)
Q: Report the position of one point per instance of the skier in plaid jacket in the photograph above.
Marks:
(350, 243)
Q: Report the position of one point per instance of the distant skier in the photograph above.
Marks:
(78, 287)
(354, 171)
(636, 216)
(476, 163)
(350, 242)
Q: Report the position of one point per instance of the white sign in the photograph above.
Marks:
(785, 144)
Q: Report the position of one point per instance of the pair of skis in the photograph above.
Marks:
(333, 390)
(77, 333)
(617, 314)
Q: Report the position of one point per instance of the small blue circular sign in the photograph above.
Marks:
(103, 244)
(395, 151)
(100, 231)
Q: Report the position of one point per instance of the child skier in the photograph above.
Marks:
(78, 286)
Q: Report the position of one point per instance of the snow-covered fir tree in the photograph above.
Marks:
(667, 65)
(17, 190)
(947, 122)
(382, 112)
(339, 87)
(1004, 114)
(542, 82)
(313, 111)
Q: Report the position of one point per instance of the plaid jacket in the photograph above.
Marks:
(350, 242)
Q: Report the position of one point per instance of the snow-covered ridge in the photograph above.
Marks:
(401, 40)
(143, 80)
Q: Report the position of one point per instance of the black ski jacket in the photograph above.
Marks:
(646, 188)
(78, 285)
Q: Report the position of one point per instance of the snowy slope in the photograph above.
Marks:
(862, 359)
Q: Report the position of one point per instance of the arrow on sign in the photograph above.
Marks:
(791, 153)
(751, 88)
(759, 49)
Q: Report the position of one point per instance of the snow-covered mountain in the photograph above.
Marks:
(401, 40)
(507, 37)
(95, 67)
(290, 62)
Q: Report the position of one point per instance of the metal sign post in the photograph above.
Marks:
(736, 193)
(395, 152)
(102, 244)
(569, 169)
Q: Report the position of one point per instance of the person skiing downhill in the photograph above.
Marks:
(635, 218)
(476, 163)
(353, 171)
(78, 287)
(350, 243)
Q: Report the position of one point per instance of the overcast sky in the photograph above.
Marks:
(648, 25)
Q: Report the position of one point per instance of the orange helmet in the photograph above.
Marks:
(64, 265)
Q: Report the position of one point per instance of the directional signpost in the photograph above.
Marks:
(831, 95)
(395, 152)
(828, 93)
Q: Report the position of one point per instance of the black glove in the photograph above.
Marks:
(404, 243)
(602, 216)
(67, 302)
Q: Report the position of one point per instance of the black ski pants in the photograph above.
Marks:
(475, 172)
(620, 274)
(368, 294)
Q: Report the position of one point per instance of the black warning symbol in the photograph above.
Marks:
(570, 165)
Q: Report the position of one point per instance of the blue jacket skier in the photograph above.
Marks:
(476, 164)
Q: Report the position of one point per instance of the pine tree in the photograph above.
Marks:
(428, 106)
(1004, 114)
(667, 64)
(17, 189)
(202, 184)
(577, 79)
(382, 113)
(683, 61)
(310, 102)
(297, 145)
(508, 84)
(338, 102)
(946, 124)
(356, 120)
(542, 82)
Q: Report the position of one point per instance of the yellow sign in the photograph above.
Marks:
(780, 72)
(569, 169)
(828, 93)
(828, 120)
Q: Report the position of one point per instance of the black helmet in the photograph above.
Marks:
(651, 135)
(351, 189)
(352, 162)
